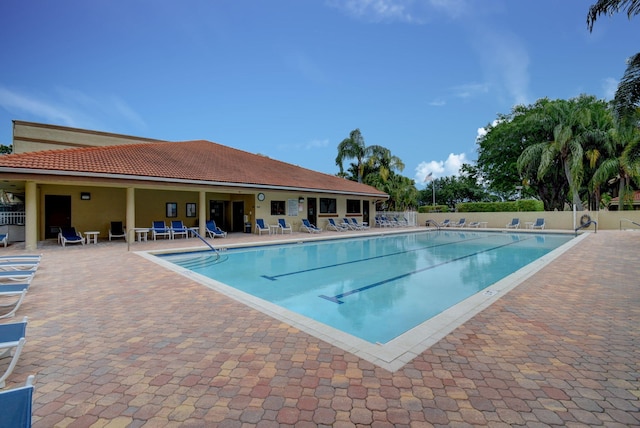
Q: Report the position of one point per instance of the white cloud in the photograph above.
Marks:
(309, 145)
(17, 103)
(378, 10)
(438, 102)
(450, 166)
(70, 107)
(470, 90)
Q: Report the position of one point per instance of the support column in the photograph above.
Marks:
(202, 213)
(31, 216)
(131, 215)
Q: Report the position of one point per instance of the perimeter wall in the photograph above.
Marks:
(560, 220)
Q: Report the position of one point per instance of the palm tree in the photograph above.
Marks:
(566, 120)
(353, 148)
(619, 166)
(384, 162)
(627, 95)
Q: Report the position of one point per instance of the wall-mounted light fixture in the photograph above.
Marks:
(301, 200)
(85, 196)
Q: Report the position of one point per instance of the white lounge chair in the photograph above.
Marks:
(308, 227)
(460, 223)
(213, 230)
(178, 229)
(332, 225)
(16, 405)
(12, 291)
(284, 227)
(12, 338)
(117, 230)
(515, 223)
(69, 235)
(261, 226)
(16, 275)
(159, 228)
(4, 238)
(363, 225)
(539, 224)
(16, 265)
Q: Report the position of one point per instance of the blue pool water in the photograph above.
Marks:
(378, 287)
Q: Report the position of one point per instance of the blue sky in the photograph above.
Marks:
(290, 79)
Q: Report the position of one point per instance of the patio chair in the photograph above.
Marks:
(261, 226)
(12, 338)
(178, 229)
(284, 227)
(308, 227)
(213, 230)
(159, 228)
(4, 238)
(16, 275)
(354, 221)
(17, 265)
(460, 223)
(117, 230)
(69, 235)
(515, 223)
(21, 258)
(12, 290)
(16, 405)
(539, 224)
(332, 225)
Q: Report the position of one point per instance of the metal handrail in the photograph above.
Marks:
(630, 221)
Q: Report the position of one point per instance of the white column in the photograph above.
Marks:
(202, 213)
(131, 215)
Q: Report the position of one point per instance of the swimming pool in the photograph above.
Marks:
(375, 288)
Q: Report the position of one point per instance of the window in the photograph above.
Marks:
(277, 208)
(327, 206)
(353, 206)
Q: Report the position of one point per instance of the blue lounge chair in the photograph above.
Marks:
(69, 235)
(21, 258)
(178, 229)
(213, 230)
(261, 226)
(19, 265)
(16, 275)
(460, 223)
(117, 230)
(539, 224)
(284, 227)
(354, 221)
(308, 227)
(159, 228)
(12, 290)
(515, 223)
(332, 225)
(16, 406)
(12, 338)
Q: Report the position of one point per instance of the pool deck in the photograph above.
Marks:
(116, 341)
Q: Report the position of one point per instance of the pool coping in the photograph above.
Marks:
(396, 353)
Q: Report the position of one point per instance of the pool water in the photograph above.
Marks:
(375, 288)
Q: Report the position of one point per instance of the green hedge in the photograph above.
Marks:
(513, 206)
(433, 209)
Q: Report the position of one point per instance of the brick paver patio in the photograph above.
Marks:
(117, 341)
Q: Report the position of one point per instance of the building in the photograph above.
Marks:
(86, 179)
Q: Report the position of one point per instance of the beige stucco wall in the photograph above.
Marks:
(561, 220)
(29, 137)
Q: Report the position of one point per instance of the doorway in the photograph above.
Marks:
(311, 210)
(217, 210)
(365, 212)
(237, 217)
(57, 214)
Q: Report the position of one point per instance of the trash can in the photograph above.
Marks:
(247, 228)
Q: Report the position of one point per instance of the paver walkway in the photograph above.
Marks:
(116, 341)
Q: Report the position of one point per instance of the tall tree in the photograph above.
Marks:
(353, 147)
(627, 98)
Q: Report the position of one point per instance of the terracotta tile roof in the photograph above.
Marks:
(636, 198)
(189, 160)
